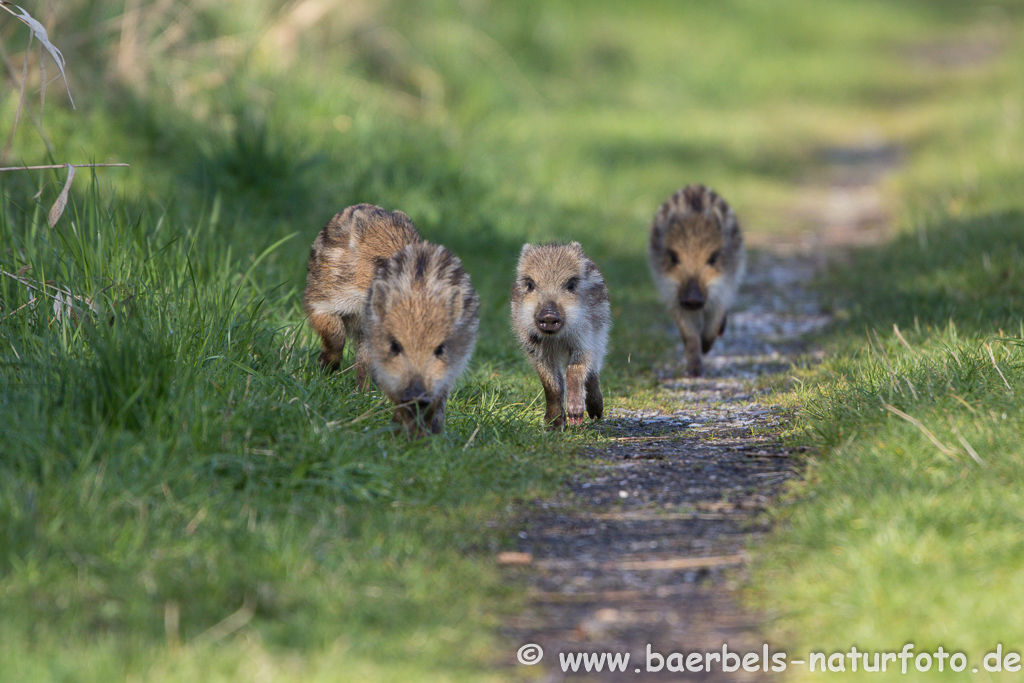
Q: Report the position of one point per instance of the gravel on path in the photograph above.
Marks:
(647, 551)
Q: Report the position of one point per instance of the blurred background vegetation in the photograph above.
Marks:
(177, 476)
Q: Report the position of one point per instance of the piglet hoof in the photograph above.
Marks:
(555, 425)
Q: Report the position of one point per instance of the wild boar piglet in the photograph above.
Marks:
(561, 317)
(342, 263)
(419, 323)
(697, 260)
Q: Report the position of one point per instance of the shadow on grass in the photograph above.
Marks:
(711, 159)
(968, 272)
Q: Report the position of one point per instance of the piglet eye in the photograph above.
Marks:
(673, 257)
(529, 285)
(396, 348)
(570, 285)
(713, 259)
(439, 351)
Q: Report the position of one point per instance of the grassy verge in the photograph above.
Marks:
(176, 473)
(909, 528)
(183, 496)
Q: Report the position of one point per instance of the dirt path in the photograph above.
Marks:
(651, 550)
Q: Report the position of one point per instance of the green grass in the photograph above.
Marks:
(176, 452)
(909, 528)
(183, 495)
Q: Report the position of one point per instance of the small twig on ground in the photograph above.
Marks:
(970, 449)
(471, 437)
(678, 563)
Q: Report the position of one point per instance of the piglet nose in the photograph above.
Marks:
(548, 320)
(416, 394)
(691, 298)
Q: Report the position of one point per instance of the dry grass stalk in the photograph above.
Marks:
(62, 199)
(39, 31)
(65, 304)
(58, 207)
(946, 450)
(988, 347)
(4, 169)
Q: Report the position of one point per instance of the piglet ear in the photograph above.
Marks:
(527, 248)
(455, 305)
(378, 299)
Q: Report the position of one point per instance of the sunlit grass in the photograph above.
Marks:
(182, 491)
(909, 528)
(172, 450)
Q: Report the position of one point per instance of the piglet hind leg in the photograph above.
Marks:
(332, 335)
(595, 402)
